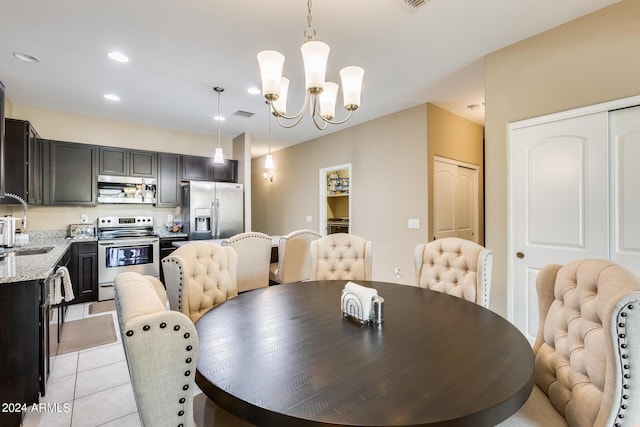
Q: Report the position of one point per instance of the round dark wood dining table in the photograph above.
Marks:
(286, 356)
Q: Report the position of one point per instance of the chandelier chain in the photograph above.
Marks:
(309, 32)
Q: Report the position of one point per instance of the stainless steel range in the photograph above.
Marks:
(125, 244)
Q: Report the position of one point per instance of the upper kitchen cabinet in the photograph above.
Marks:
(72, 171)
(225, 172)
(143, 163)
(124, 162)
(22, 162)
(169, 174)
(200, 168)
(196, 168)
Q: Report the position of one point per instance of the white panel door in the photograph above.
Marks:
(455, 199)
(625, 178)
(559, 204)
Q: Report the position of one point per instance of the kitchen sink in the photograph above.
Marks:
(30, 251)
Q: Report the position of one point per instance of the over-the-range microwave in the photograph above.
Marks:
(126, 189)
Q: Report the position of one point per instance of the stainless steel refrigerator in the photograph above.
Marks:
(212, 210)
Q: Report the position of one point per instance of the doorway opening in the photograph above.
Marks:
(335, 189)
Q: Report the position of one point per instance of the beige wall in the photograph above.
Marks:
(63, 126)
(588, 61)
(388, 186)
(456, 138)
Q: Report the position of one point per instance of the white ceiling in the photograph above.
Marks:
(180, 49)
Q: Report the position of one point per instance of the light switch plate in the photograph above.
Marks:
(309, 218)
(414, 223)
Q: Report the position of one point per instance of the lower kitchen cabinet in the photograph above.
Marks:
(84, 271)
(19, 340)
(166, 247)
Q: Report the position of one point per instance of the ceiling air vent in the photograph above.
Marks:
(243, 113)
(413, 5)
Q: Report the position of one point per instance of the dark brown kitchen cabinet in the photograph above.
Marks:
(124, 162)
(169, 174)
(84, 271)
(225, 172)
(196, 168)
(143, 163)
(20, 340)
(23, 162)
(113, 161)
(199, 168)
(72, 171)
(166, 247)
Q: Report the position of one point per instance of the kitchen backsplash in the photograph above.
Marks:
(46, 218)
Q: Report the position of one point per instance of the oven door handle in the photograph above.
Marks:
(127, 242)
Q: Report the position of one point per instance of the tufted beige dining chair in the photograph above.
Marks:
(199, 276)
(161, 350)
(587, 351)
(294, 262)
(455, 266)
(341, 256)
(254, 256)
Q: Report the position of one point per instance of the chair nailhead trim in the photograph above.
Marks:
(163, 325)
(187, 335)
(129, 333)
(185, 387)
(176, 328)
(189, 348)
(187, 373)
(626, 375)
(188, 360)
(146, 327)
(182, 400)
(180, 413)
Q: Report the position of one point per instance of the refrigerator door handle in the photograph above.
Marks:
(215, 208)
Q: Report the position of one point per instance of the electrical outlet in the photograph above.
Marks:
(84, 218)
(398, 273)
(414, 223)
(309, 219)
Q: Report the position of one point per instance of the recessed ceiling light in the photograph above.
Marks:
(118, 56)
(24, 57)
(254, 91)
(219, 118)
(112, 97)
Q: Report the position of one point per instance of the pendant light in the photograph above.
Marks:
(218, 156)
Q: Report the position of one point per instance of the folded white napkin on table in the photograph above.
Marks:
(356, 300)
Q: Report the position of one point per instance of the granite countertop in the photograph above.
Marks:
(163, 233)
(21, 268)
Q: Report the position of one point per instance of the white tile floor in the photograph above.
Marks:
(89, 387)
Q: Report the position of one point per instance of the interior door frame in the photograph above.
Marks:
(322, 191)
(511, 128)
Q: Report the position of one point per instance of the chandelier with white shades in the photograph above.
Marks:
(320, 97)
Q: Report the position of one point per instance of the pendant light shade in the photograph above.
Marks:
(218, 156)
(268, 162)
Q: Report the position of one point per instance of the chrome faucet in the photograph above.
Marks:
(24, 206)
